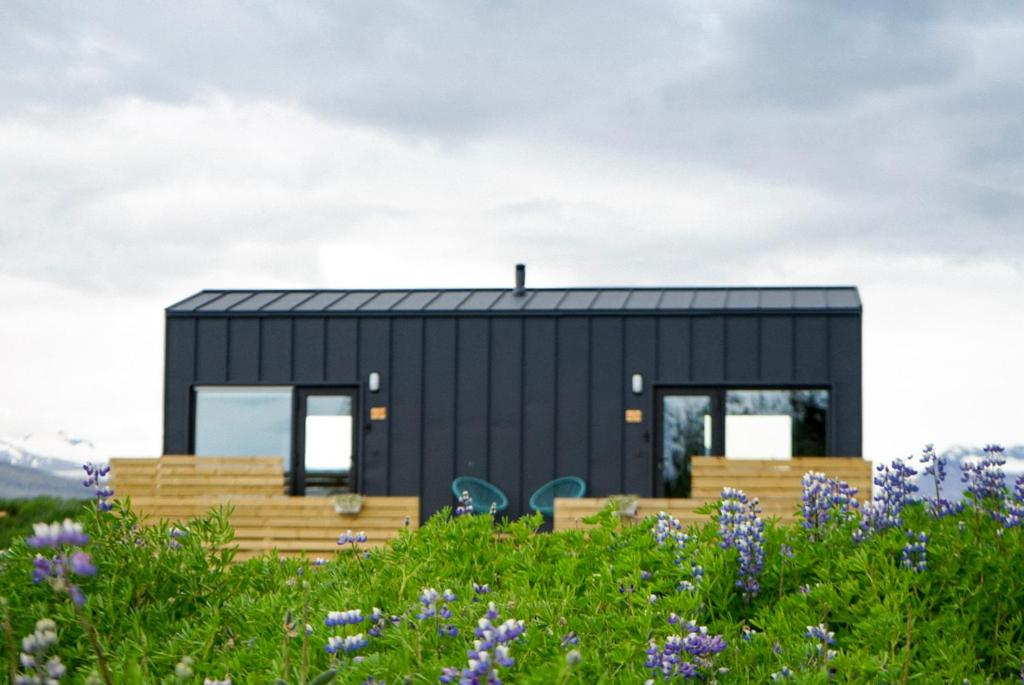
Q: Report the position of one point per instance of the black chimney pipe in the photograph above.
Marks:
(520, 280)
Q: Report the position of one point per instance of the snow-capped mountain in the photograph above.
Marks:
(57, 453)
(953, 487)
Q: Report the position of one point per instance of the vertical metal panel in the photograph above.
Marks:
(309, 350)
(212, 351)
(845, 369)
(244, 350)
(374, 349)
(506, 393)
(573, 398)
(638, 453)
(471, 389)
(179, 370)
(438, 412)
(811, 349)
(708, 349)
(777, 349)
(673, 349)
(342, 351)
(606, 413)
(276, 350)
(538, 405)
(406, 410)
(741, 349)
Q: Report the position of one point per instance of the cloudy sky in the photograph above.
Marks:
(150, 150)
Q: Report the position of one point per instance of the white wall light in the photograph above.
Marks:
(374, 381)
(637, 384)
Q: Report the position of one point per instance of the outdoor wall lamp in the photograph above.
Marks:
(374, 381)
(637, 384)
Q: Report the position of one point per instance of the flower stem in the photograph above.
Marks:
(12, 646)
(94, 639)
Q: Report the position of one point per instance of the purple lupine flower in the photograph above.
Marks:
(449, 674)
(54, 535)
(821, 633)
(76, 594)
(95, 477)
(176, 534)
(985, 479)
(824, 638)
(42, 568)
(896, 490)
(1012, 513)
(935, 466)
(347, 644)
(668, 531)
(684, 656)
(825, 501)
(81, 564)
(741, 528)
(915, 552)
(465, 505)
(501, 655)
(481, 589)
(36, 668)
(343, 618)
(785, 673)
(570, 639)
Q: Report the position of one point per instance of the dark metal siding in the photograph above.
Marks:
(515, 399)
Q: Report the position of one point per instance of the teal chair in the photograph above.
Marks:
(543, 500)
(481, 493)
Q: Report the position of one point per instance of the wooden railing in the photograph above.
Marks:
(776, 483)
(177, 488)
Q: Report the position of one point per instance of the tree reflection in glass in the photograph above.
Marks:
(686, 423)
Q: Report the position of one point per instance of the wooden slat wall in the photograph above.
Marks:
(770, 479)
(776, 483)
(292, 525)
(177, 488)
(188, 476)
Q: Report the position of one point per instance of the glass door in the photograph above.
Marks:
(689, 426)
(325, 442)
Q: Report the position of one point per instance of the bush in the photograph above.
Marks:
(22, 513)
(597, 606)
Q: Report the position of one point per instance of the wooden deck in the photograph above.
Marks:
(177, 488)
(776, 483)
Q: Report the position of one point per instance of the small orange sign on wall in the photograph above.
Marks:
(634, 416)
(378, 413)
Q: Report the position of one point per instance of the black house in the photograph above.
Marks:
(396, 392)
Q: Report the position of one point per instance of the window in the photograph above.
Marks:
(687, 432)
(243, 421)
(328, 433)
(775, 424)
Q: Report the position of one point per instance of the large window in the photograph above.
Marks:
(244, 421)
(770, 423)
(775, 424)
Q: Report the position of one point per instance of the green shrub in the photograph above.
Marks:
(22, 513)
(605, 592)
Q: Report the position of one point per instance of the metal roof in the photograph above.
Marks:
(536, 300)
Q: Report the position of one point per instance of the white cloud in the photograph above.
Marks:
(148, 154)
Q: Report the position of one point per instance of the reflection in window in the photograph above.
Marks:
(775, 424)
(328, 433)
(244, 422)
(686, 423)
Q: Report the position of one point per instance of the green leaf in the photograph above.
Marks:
(325, 677)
